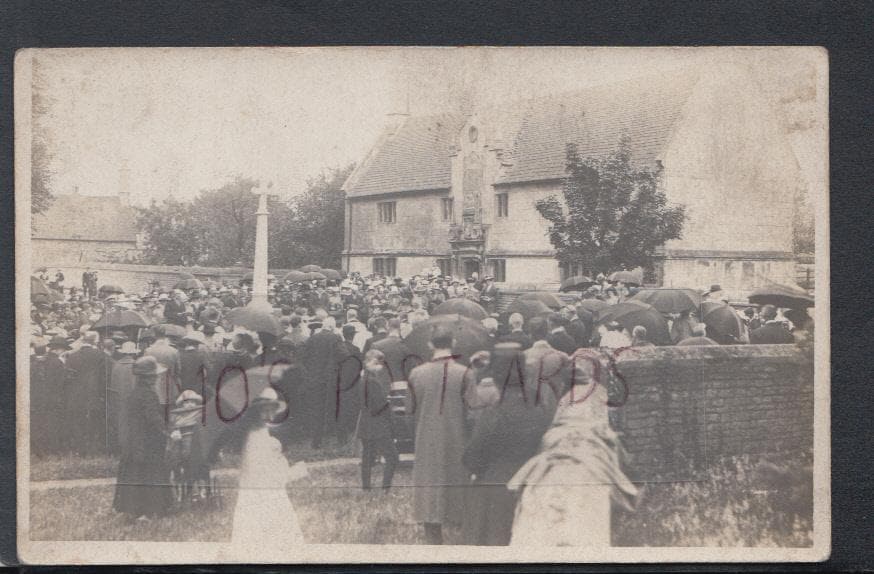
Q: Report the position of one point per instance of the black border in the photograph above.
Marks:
(842, 27)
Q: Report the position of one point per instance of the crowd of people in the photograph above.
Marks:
(122, 388)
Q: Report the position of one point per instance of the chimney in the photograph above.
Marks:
(124, 185)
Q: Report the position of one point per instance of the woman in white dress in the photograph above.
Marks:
(264, 519)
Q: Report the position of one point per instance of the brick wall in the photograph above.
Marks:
(688, 406)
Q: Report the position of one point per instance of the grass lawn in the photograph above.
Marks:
(330, 505)
(735, 507)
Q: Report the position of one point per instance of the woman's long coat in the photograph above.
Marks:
(143, 477)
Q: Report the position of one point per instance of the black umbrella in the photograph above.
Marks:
(109, 289)
(723, 324)
(315, 276)
(470, 337)
(119, 319)
(331, 274)
(786, 296)
(593, 306)
(295, 276)
(310, 268)
(185, 275)
(634, 277)
(633, 313)
(577, 283)
(255, 317)
(461, 306)
(529, 308)
(545, 297)
(670, 300)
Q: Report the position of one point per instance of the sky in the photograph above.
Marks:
(182, 120)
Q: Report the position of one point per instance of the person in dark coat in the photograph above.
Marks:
(516, 334)
(324, 355)
(142, 489)
(489, 295)
(346, 413)
(89, 370)
(194, 365)
(394, 351)
(559, 338)
(375, 421)
(576, 327)
(121, 385)
(47, 377)
(506, 435)
(380, 331)
(772, 332)
(174, 310)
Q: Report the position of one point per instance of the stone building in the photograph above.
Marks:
(458, 191)
(78, 231)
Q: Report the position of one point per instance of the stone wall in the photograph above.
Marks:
(134, 278)
(689, 406)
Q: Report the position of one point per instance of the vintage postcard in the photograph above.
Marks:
(411, 304)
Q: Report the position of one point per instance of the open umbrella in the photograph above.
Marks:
(592, 305)
(635, 276)
(172, 330)
(786, 296)
(577, 283)
(461, 306)
(528, 308)
(670, 300)
(470, 337)
(108, 289)
(186, 284)
(545, 297)
(186, 275)
(119, 319)
(255, 317)
(331, 274)
(315, 276)
(310, 268)
(633, 313)
(723, 324)
(295, 276)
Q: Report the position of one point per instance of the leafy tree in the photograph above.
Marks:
(218, 227)
(225, 218)
(41, 169)
(172, 238)
(312, 229)
(614, 214)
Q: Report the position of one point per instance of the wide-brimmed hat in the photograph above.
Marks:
(148, 367)
(194, 337)
(58, 342)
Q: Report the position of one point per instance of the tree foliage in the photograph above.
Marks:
(41, 169)
(614, 214)
(218, 227)
(313, 230)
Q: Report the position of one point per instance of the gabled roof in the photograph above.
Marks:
(534, 135)
(414, 158)
(644, 110)
(86, 217)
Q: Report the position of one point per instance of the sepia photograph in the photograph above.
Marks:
(420, 304)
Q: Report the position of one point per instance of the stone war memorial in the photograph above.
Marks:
(447, 314)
